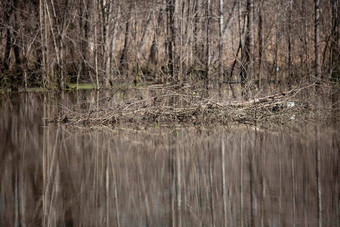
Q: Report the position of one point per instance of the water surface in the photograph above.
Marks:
(55, 175)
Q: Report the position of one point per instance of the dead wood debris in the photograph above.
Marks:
(185, 107)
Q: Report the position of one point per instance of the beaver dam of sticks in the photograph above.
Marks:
(173, 106)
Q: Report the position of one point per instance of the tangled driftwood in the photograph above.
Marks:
(183, 106)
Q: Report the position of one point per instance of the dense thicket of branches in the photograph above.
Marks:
(252, 42)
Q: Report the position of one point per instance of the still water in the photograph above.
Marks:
(61, 176)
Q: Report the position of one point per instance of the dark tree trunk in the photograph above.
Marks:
(171, 36)
(260, 28)
(246, 67)
(7, 16)
(290, 79)
(124, 57)
(335, 42)
(195, 30)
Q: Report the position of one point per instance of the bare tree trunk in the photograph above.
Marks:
(84, 27)
(220, 46)
(95, 33)
(58, 41)
(137, 50)
(6, 60)
(226, 26)
(207, 55)
(246, 70)
(179, 28)
(290, 79)
(317, 72)
(10, 23)
(276, 48)
(335, 45)
(229, 19)
(124, 58)
(260, 25)
(195, 30)
(110, 24)
(43, 42)
(171, 5)
(303, 50)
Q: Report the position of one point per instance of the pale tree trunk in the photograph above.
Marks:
(55, 44)
(207, 55)
(59, 24)
(140, 44)
(84, 21)
(179, 28)
(276, 47)
(188, 35)
(173, 28)
(229, 19)
(225, 26)
(137, 49)
(43, 42)
(95, 21)
(317, 72)
(110, 28)
(220, 46)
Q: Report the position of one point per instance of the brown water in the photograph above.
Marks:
(62, 176)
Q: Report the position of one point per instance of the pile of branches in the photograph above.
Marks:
(184, 106)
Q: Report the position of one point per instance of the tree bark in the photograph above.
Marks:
(335, 43)
(220, 45)
(260, 28)
(290, 43)
(171, 36)
(317, 72)
(246, 70)
(8, 11)
(124, 58)
(207, 54)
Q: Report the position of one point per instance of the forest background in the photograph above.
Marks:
(253, 43)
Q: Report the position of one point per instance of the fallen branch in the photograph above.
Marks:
(183, 106)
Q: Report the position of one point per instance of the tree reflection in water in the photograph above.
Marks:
(56, 175)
